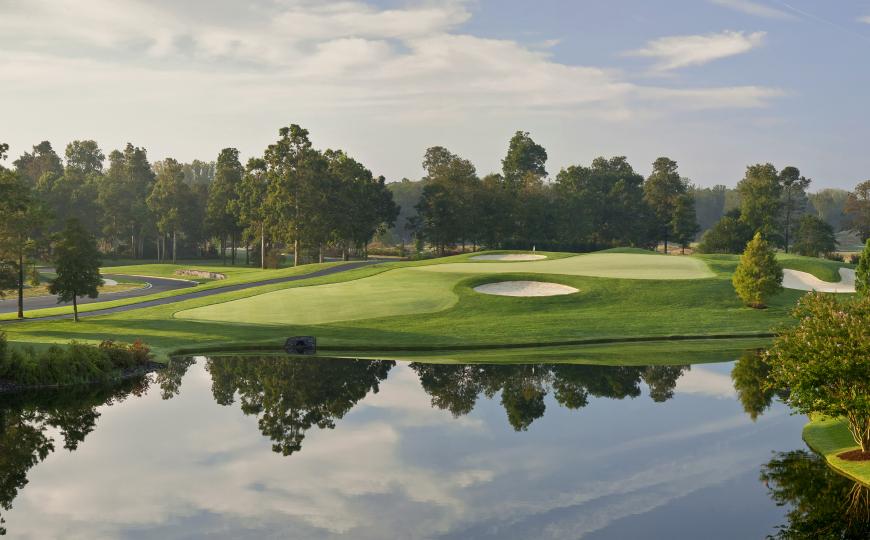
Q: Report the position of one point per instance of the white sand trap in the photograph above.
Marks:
(802, 281)
(109, 282)
(509, 257)
(525, 288)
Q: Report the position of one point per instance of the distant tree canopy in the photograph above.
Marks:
(814, 237)
(312, 202)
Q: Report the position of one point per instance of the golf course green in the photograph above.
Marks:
(631, 307)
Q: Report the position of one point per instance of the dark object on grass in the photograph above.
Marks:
(301, 345)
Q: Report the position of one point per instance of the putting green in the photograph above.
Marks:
(424, 289)
(609, 265)
(397, 292)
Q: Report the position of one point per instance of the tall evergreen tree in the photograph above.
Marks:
(222, 191)
(761, 199)
(43, 159)
(168, 199)
(662, 190)
(794, 201)
(248, 205)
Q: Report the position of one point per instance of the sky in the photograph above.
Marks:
(714, 84)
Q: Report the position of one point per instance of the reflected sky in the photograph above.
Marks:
(540, 453)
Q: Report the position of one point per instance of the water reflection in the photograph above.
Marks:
(823, 504)
(27, 419)
(290, 396)
(598, 465)
(456, 387)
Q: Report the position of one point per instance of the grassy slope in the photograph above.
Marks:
(605, 308)
(830, 437)
(239, 275)
(824, 269)
(428, 289)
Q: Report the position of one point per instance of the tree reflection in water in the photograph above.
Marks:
(456, 387)
(26, 419)
(290, 396)
(824, 505)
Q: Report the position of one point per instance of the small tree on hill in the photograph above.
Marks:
(77, 263)
(822, 362)
(684, 222)
(862, 273)
(758, 275)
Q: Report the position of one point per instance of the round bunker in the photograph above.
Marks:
(509, 257)
(525, 288)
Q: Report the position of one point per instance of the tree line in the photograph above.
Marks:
(294, 197)
(608, 203)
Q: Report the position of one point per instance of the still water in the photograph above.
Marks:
(270, 447)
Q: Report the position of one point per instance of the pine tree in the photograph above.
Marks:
(862, 273)
(758, 275)
(77, 263)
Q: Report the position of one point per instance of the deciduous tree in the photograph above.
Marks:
(77, 264)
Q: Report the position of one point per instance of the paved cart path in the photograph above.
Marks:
(158, 285)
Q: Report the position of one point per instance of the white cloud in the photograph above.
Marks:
(865, 19)
(758, 9)
(674, 52)
(119, 70)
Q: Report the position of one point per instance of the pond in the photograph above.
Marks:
(261, 447)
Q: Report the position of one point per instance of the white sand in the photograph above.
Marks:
(802, 281)
(509, 257)
(109, 282)
(525, 288)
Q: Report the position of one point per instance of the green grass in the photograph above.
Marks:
(824, 269)
(246, 275)
(612, 309)
(831, 437)
(612, 265)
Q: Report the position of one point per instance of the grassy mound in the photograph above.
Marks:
(830, 437)
(824, 269)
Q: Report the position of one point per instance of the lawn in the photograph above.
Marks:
(409, 309)
(830, 437)
(234, 275)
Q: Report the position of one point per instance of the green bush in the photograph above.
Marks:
(75, 363)
(758, 275)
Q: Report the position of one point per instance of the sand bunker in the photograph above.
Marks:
(525, 288)
(109, 282)
(509, 257)
(802, 281)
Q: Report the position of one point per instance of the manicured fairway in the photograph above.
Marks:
(610, 265)
(403, 291)
(427, 289)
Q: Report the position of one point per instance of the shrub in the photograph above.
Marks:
(758, 275)
(862, 273)
(274, 259)
(834, 256)
(822, 361)
(75, 363)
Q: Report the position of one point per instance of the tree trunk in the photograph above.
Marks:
(224, 249)
(247, 254)
(133, 240)
(320, 253)
(263, 246)
(666, 244)
(344, 255)
(173, 246)
(233, 247)
(296, 251)
(75, 308)
(20, 283)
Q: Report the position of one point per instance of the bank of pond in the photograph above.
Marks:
(257, 445)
